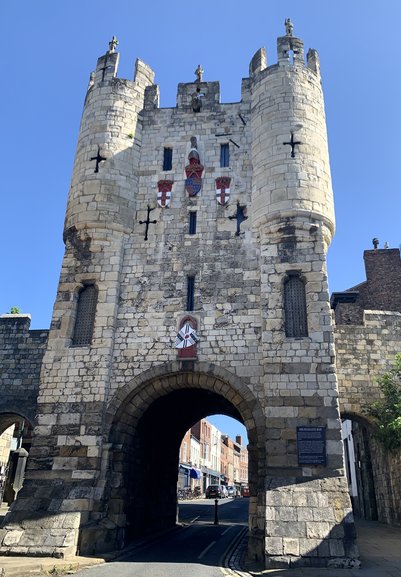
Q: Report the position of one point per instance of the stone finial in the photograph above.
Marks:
(112, 45)
(375, 243)
(386, 244)
(289, 27)
(199, 73)
(196, 102)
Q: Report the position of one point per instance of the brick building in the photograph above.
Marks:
(229, 467)
(380, 292)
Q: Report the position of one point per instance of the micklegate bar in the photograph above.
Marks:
(193, 282)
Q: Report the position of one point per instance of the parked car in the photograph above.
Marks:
(245, 491)
(231, 490)
(216, 492)
(224, 489)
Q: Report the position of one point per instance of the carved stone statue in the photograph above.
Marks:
(199, 73)
(196, 102)
(112, 44)
(289, 27)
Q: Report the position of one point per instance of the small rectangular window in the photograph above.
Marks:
(190, 293)
(85, 316)
(295, 310)
(167, 159)
(192, 222)
(224, 154)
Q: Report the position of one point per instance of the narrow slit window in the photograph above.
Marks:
(167, 158)
(190, 293)
(85, 318)
(225, 154)
(296, 325)
(192, 222)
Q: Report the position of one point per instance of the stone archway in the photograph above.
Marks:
(363, 460)
(15, 443)
(147, 420)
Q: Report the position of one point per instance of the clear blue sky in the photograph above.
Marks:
(51, 46)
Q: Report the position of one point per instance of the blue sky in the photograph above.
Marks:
(50, 47)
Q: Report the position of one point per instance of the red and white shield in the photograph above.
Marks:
(164, 192)
(223, 189)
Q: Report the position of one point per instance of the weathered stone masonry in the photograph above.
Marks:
(368, 336)
(89, 480)
(21, 353)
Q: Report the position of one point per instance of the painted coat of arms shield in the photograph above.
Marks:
(223, 189)
(164, 188)
(193, 182)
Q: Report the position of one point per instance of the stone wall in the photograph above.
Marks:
(21, 354)
(363, 353)
(387, 478)
(378, 477)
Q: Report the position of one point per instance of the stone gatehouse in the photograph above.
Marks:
(205, 225)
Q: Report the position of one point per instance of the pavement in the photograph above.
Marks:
(379, 545)
(380, 556)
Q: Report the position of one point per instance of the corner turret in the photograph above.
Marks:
(103, 184)
(290, 150)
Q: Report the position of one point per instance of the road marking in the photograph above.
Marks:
(194, 519)
(207, 549)
(226, 531)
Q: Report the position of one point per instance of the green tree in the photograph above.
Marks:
(387, 411)
(15, 311)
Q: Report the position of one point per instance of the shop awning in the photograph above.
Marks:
(210, 472)
(194, 474)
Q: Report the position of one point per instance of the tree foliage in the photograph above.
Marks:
(387, 411)
(15, 310)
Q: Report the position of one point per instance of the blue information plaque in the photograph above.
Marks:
(311, 443)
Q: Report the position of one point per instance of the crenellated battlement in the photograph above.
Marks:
(107, 69)
(198, 95)
(21, 353)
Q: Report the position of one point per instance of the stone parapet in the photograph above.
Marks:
(364, 352)
(21, 354)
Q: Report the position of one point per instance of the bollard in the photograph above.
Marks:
(216, 515)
